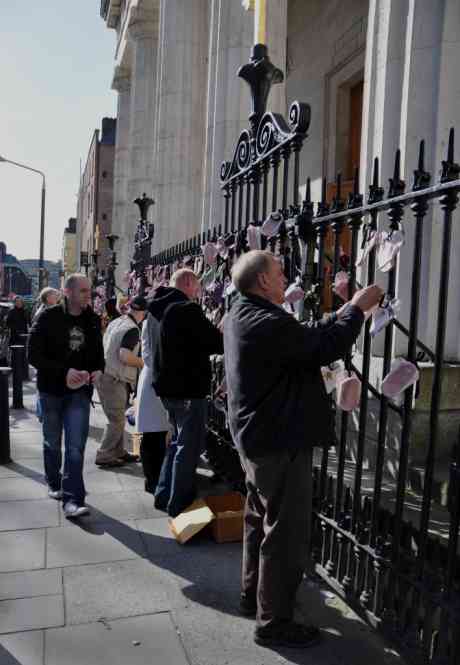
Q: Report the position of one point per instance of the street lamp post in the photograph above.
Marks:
(143, 241)
(110, 281)
(41, 264)
(84, 261)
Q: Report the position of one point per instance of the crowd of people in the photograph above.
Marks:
(159, 351)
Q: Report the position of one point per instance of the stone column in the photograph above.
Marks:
(400, 108)
(122, 84)
(447, 87)
(228, 99)
(143, 36)
(181, 120)
(276, 39)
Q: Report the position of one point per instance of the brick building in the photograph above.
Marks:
(94, 210)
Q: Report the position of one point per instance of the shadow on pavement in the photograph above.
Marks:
(7, 658)
(212, 573)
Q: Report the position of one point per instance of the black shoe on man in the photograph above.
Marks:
(287, 634)
(129, 458)
(248, 606)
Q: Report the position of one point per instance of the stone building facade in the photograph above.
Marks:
(95, 198)
(378, 75)
(69, 258)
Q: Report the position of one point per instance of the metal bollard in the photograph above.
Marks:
(17, 363)
(5, 451)
(25, 341)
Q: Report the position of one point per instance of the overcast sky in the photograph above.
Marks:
(56, 65)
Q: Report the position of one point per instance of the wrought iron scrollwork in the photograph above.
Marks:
(273, 131)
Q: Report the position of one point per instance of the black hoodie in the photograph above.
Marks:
(187, 339)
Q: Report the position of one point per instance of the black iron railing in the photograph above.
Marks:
(400, 576)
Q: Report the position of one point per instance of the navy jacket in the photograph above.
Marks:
(276, 394)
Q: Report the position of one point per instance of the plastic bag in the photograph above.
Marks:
(373, 240)
(253, 237)
(294, 293)
(272, 224)
(402, 375)
(340, 286)
(348, 391)
(389, 248)
(383, 315)
(210, 253)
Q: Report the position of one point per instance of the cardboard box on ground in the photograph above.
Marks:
(222, 515)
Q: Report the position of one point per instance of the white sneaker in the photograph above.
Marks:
(72, 510)
(55, 494)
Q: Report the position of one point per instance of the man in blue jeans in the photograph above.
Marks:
(182, 378)
(66, 349)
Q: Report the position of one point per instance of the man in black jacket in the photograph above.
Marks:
(182, 378)
(17, 321)
(279, 410)
(66, 349)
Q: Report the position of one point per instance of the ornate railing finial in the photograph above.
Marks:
(260, 74)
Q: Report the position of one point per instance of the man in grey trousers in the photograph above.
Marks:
(279, 410)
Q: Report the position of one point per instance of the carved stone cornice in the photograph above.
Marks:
(121, 79)
(143, 23)
(110, 12)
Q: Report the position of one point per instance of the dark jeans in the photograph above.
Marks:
(70, 414)
(277, 522)
(153, 448)
(176, 488)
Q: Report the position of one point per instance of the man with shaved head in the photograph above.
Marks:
(279, 410)
(66, 348)
(182, 378)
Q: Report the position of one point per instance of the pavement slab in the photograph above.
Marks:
(229, 640)
(18, 489)
(120, 589)
(31, 613)
(145, 640)
(115, 505)
(24, 468)
(131, 477)
(26, 450)
(31, 583)
(92, 543)
(22, 648)
(100, 482)
(29, 514)
(22, 550)
(115, 588)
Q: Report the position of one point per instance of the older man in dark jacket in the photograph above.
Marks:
(279, 410)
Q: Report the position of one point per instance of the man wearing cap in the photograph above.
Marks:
(122, 362)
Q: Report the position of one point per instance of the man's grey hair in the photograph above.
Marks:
(72, 280)
(180, 276)
(47, 291)
(248, 267)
